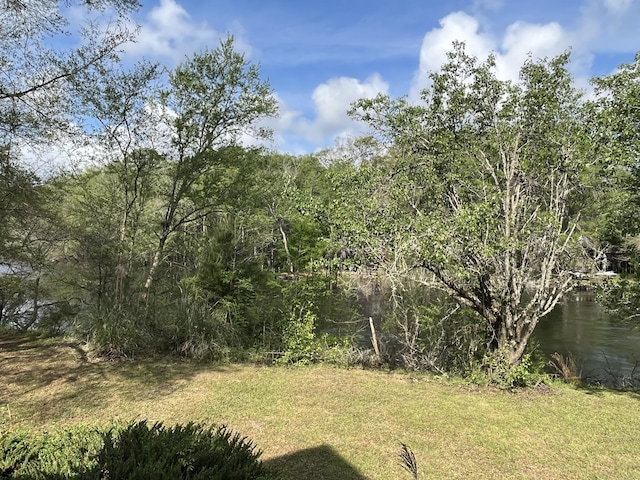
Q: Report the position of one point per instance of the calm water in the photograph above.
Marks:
(600, 345)
(604, 349)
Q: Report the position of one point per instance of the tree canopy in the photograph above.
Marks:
(34, 78)
(479, 179)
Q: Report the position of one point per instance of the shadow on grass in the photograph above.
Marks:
(599, 390)
(30, 365)
(317, 463)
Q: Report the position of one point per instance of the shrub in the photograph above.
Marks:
(300, 344)
(191, 451)
(565, 368)
(423, 329)
(135, 451)
(497, 370)
(51, 455)
(113, 332)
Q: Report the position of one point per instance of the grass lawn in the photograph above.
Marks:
(328, 423)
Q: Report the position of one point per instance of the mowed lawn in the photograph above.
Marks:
(328, 423)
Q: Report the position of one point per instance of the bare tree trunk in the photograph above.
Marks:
(36, 305)
(286, 248)
(374, 338)
(155, 263)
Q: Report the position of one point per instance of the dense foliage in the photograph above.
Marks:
(455, 227)
(137, 450)
(479, 180)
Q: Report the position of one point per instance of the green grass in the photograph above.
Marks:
(327, 423)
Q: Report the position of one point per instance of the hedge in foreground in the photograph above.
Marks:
(136, 451)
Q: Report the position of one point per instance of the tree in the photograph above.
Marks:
(123, 133)
(477, 187)
(37, 69)
(19, 217)
(213, 98)
(37, 62)
(287, 194)
(85, 262)
(615, 115)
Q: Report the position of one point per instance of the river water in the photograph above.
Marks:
(605, 349)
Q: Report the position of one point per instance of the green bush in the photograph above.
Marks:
(112, 331)
(136, 451)
(621, 298)
(300, 344)
(497, 370)
(51, 455)
(424, 329)
(184, 325)
(191, 451)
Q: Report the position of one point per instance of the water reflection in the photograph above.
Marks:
(603, 348)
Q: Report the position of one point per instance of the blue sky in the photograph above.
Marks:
(321, 56)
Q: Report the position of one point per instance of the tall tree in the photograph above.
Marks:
(478, 184)
(21, 249)
(213, 98)
(616, 121)
(123, 132)
(37, 68)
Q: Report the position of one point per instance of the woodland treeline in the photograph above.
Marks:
(473, 210)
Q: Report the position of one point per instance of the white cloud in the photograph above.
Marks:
(458, 26)
(488, 4)
(331, 101)
(282, 127)
(63, 155)
(298, 133)
(170, 33)
(520, 40)
(617, 6)
(609, 26)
